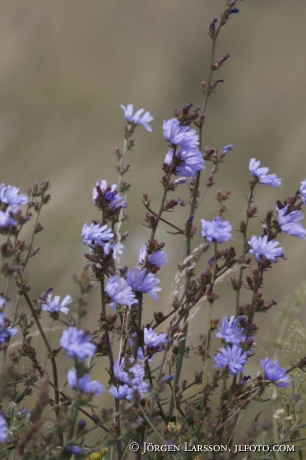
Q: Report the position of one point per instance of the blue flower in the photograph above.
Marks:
(84, 384)
(216, 230)
(226, 149)
(187, 159)
(274, 372)
(55, 305)
(131, 380)
(261, 247)
(289, 222)
(119, 372)
(140, 351)
(303, 191)
(157, 259)
(176, 134)
(116, 248)
(185, 162)
(6, 331)
(142, 255)
(74, 450)
(212, 27)
(3, 429)
(233, 357)
(77, 344)
(121, 392)
(141, 357)
(168, 378)
(141, 281)
(181, 180)
(137, 381)
(154, 340)
(231, 331)
(231, 11)
(119, 291)
(108, 195)
(6, 220)
(95, 234)
(261, 174)
(9, 195)
(138, 118)
(137, 374)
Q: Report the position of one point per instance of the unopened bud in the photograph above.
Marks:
(212, 27)
(219, 62)
(214, 85)
(203, 87)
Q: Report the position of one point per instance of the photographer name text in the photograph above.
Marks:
(186, 447)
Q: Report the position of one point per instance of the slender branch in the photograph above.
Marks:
(50, 351)
(111, 362)
(164, 220)
(244, 248)
(33, 234)
(193, 211)
(158, 216)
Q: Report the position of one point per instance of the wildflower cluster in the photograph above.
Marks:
(141, 363)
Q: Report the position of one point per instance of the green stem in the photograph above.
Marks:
(138, 327)
(150, 424)
(50, 353)
(244, 248)
(209, 323)
(111, 363)
(164, 220)
(33, 234)
(124, 151)
(158, 216)
(192, 213)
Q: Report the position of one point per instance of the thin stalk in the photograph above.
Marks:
(124, 151)
(151, 425)
(164, 220)
(161, 208)
(24, 266)
(75, 411)
(244, 247)
(16, 309)
(193, 211)
(67, 398)
(33, 234)
(213, 171)
(167, 347)
(111, 363)
(7, 285)
(50, 353)
(209, 323)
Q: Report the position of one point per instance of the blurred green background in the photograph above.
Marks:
(65, 68)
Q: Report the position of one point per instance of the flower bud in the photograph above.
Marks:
(212, 27)
(203, 87)
(214, 85)
(219, 62)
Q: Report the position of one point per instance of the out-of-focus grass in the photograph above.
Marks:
(65, 68)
